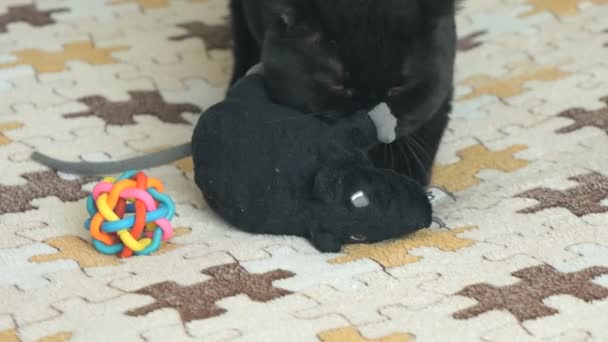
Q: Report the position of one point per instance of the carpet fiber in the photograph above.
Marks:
(523, 255)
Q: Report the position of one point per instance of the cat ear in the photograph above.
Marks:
(433, 9)
(288, 19)
(284, 11)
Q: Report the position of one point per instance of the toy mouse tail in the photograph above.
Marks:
(109, 167)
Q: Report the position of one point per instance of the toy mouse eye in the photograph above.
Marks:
(358, 238)
(359, 199)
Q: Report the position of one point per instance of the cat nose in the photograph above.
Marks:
(371, 100)
(373, 97)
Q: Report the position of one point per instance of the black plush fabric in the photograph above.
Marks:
(268, 169)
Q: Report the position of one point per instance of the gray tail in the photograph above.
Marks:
(104, 168)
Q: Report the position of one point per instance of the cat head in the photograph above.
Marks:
(343, 56)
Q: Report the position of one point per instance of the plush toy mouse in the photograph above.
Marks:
(268, 169)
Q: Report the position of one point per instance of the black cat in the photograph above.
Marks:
(344, 55)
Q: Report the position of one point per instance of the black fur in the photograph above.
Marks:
(266, 168)
(345, 55)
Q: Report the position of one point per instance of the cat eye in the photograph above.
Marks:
(400, 89)
(340, 89)
(394, 91)
(358, 238)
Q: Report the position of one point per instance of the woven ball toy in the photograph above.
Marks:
(129, 215)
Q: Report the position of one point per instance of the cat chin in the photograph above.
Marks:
(405, 129)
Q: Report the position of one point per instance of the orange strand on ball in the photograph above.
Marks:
(141, 181)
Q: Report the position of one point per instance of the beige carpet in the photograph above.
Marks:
(524, 256)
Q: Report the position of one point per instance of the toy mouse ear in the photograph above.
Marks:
(327, 185)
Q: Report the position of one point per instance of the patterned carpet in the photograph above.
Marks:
(524, 256)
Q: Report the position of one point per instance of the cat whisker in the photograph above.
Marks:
(421, 148)
(392, 154)
(414, 154)
(405, 157)
(385, 159)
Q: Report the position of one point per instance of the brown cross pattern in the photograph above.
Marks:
(141, 102)
(197, 301)
(524, 300)
(584, 199)
(586, 118)
(470, 41)
(16, 198)
(29, 14)
(216, 37)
